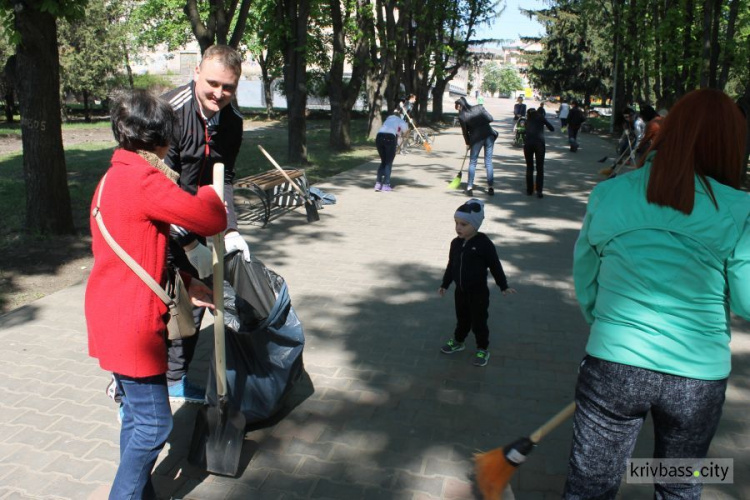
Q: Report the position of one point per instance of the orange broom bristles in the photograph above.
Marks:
(493, 472)
(495, 468)
(427, 147)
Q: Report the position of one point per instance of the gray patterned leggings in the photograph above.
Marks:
(612, 401)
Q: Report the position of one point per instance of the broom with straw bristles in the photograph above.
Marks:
(495, 468)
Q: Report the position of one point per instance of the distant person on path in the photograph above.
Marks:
(563, 112)
(471, 254)
(575, 120)
(386, 141)
(478, 133)
(126, 320)
(208, 131)
(407, 105)
(541, 109)
(634, 130)
(534, 147)
(651, 130)
(519, 109)
(662, 257)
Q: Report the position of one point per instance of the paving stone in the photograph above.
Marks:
(421, 484)
(333, 490)
(280, 481)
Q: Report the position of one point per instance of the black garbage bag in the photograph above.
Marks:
(264, 340)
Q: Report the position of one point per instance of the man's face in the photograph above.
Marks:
(215, 85)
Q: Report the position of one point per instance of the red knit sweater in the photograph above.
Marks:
(125, 318)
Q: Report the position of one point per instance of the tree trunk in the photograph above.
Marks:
(687, 47)
(373, 86)
(343, 95)
(9, 105)
(296, 13)
(619, 68)
(339, 139)
(728, 57)
(267, 84)
(658, 17)
(129, 69)
(205, 34)
(706, 43)
(384, 58)
(713, 69)
(437, 99)
(48, 208)
(86, 106)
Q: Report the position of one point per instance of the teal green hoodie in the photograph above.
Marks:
(657, 285)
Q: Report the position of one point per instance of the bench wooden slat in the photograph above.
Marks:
(268, 180)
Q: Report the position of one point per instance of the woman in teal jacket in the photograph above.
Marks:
(663, 254)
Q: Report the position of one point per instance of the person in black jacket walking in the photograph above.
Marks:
(534, 147)
(471, 254)
(475, 125)
(575, 120)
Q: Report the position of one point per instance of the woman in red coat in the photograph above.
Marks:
(126, 320)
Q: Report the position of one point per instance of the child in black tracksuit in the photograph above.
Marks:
(471, 254)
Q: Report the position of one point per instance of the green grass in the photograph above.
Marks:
(86, 163)
(599, 124)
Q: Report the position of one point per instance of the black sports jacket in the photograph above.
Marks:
(196, 147)
(468, 262)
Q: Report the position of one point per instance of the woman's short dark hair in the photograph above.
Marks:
(141, 120)
(702, 136)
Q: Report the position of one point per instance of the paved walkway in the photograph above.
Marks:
(389, 416)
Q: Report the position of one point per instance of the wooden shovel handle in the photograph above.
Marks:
(283, 172)
(220, 351)
(561, 417)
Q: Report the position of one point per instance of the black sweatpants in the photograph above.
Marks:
(472, 311)
(531, 152)
(180, 352)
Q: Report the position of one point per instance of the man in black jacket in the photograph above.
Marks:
(209, 131)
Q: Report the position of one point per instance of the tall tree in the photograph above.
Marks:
(213, 25)
(454, 27)
(91, 52)
(48, 208)
(381, 37)
(343, 94)
(292, 16)
(263, 41)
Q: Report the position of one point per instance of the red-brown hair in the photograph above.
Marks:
(703, 135)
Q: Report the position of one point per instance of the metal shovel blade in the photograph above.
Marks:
(217, 438)
(312, 211)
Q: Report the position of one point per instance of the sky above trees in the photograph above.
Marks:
(512, 23)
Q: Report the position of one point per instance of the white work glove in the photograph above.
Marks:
(200, 258)
(234, 241)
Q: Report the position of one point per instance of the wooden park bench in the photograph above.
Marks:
(255, 196)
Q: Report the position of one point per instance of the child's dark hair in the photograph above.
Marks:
(141, 120)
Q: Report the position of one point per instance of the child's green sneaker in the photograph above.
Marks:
(452, 346)
(482, 357)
